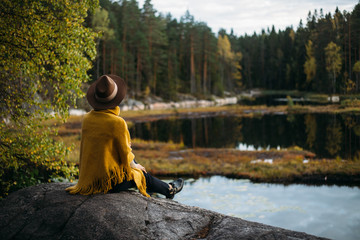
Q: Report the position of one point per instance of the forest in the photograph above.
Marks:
(163, 56)
(52, 49)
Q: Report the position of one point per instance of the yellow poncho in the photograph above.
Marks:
(105, 154)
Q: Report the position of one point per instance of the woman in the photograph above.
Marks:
(106, 159)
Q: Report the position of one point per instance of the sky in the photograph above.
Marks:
(247, 16)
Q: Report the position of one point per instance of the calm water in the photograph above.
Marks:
(326, 211)
(281, 99)
(327, 135)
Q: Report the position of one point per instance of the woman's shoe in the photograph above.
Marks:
(176, 187)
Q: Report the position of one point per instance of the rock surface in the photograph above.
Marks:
(46, 211)
(132, 104)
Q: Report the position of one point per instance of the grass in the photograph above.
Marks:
(288, 166)
(170, 159)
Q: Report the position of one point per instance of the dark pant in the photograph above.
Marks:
(153, 185)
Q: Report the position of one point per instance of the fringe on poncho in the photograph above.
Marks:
(105, 154)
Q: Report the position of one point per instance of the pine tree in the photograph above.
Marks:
(100, 23)
(189, 49)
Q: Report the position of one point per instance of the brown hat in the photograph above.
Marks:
(106, 92)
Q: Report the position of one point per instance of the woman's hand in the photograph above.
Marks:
(133, 164)
(139, 166)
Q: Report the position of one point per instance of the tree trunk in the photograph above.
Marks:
(176, 71)
(154, 76)
(104, 58)
(170, 72)
(112, 60)
(123, 58)
(349, 48)
(205, 72)
(150, 40)
(138, 73)
(192, 67)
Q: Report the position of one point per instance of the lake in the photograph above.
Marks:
(326, 211)
(327, 135)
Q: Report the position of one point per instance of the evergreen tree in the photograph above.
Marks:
(173, 70)
(100, 23)
(157, 54)
(187, 21)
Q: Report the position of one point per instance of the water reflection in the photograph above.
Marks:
(311, 125)
(281, 99)
(327, 211)
(328, 135)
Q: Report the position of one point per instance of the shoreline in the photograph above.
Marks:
(287, 166)
(291, 166)
(309, 180)
(231, 104)
(232, 110)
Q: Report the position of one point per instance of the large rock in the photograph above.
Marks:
(46, 211)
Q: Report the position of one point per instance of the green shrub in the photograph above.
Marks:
(350, 103)
(46, 51)
(27, 159)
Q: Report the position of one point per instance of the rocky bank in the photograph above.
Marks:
(46, 211)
